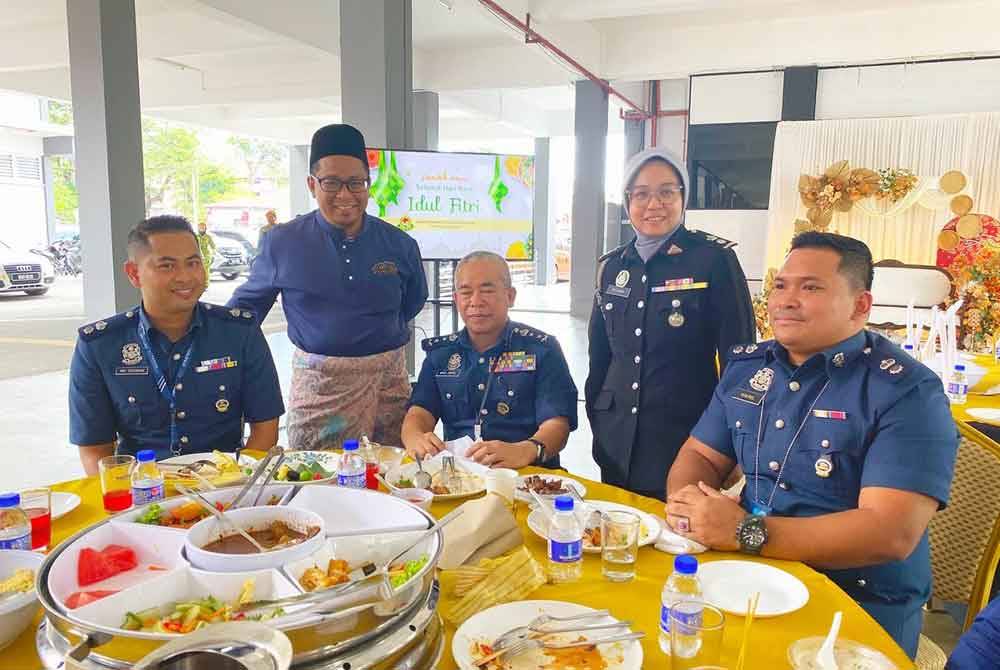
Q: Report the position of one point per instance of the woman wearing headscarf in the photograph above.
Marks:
(668, 306)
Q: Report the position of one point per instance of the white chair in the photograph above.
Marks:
(896, 283)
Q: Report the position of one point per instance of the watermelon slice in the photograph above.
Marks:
(95, 566)
(81, 598)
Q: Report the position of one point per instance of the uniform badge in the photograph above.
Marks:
(674, 250)
(385, 268)
(87, 330)
(247, 315)
(454, 362)
(824, 466)
(622, 279)
(761, 381)
(452, 337)
(895, 369)
(738, 349)
(221, 405)
(838, 359)
(834, 414)
(676, 319)
(503, 409)
(887, 363)
(751, 348)
(101, 325)
(131, 354)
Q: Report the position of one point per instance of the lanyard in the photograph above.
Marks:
(758, 507)
(169, 393)
(477, 429)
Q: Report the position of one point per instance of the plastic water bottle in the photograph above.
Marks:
(351, 472)
(682, 584)
(565, 543)
(958, 386)
(147, 480)
(15, 529)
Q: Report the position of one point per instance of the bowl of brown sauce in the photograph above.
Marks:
(287, 534)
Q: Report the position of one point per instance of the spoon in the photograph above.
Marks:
(197, 497)
(421, 479)
(825, 658)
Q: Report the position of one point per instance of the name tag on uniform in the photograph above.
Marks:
(620, 291)
(214, 364)
(746, 395)
(514, 361)
(130, 371)
(685, 284)
(830, 414)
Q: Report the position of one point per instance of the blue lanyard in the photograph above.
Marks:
(168, 392)
(477, 429)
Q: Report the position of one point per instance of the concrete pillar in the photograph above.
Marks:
(425, 120)
(104, 77)
(635, 136)
(544, 235)
(301, 200)
(376, 70)
(591, 129)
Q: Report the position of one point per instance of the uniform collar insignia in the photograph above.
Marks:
(674, 250)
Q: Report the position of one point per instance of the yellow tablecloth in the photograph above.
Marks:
(638, 600)
(976, 398)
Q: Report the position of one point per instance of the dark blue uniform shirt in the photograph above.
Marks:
(979, 648)
(530, 384)
(865, 414)
(341, 297)
(113, 392)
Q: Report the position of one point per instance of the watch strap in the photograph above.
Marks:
(540, 453)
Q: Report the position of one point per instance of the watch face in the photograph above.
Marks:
(755, 536)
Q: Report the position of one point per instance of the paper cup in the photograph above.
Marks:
(502, 482)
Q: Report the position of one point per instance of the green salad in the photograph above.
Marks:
(403, 573)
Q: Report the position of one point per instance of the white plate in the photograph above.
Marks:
(989, 415)
(525, 496)
(432, 467)
(328, 459)
(649, 525)
(230, 479)
(730, 584)
(63, 503)
(489, 624)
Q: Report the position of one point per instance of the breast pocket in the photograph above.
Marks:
(743, 422)
(830, 458)
(613, 310)
(455, 405)
(517, 390)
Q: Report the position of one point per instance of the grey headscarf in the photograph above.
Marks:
(647, 245)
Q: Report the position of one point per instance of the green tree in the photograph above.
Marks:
(60, 113)
(64, 192)
(262, 157)
(169, 158)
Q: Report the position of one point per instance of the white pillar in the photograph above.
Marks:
(544, 231)
(301, 200)
(104, 76)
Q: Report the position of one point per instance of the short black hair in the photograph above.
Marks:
(855, 256)
(138, 237)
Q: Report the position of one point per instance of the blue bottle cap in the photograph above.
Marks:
(350, 445)
(10, 499)
(146, 455)
(564, 504)
(960, 367)
(907, 347)
(686, 564)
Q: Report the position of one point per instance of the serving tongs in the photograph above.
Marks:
(275, 452)
(220, 516)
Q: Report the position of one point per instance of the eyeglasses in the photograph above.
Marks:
(668, 195)
(333, 185)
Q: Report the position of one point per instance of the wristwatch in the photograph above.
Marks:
(751, 533)
(540, 454)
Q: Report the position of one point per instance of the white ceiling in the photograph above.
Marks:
(272, 68)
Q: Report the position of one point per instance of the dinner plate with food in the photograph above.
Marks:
(547, 486)
(308, 467)
(649, 525)
(467, 480)
(474, 639)
(216, 468)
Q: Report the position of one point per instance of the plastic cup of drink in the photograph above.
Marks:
(116, 482)
(37, 505)
(696, 630)
(502, 482)
(619, 545)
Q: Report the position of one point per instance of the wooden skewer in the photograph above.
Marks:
(751, 612)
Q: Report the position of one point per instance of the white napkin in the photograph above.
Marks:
(671, 543)
(460, 447)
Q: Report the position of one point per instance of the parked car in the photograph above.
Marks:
(22, 270)
(562, 264)
(231, 259)
(248, 246)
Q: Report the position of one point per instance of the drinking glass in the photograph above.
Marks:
(116, 483)
(619, 545)
(695, 634)
(37, 504)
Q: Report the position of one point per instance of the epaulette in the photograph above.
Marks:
(92, 331)
(430, 343)
(712, 239)
(616, 250)
(888, 364)
(747, 351)
(230, 313)
(603, 260)
(530, 333)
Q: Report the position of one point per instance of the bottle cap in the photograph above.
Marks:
(350, 445)
(907, 347)
(10, 499)
(146, 455)
(960, 367)
(686, 564)
(564, 504)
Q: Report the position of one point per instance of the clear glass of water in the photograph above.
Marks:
(696, 630)
(619, 545)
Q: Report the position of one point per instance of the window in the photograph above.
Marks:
(730, 165)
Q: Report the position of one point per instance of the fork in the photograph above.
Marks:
(507, 639)
(530, 644)
(543, 619)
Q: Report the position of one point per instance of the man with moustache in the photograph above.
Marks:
(349, 283)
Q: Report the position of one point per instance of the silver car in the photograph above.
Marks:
(22, 270)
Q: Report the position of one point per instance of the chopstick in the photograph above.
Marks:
(751, 612)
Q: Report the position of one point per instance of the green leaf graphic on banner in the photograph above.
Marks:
(389, 184)
(497, 190)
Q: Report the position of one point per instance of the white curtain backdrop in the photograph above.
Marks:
(930, 146)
